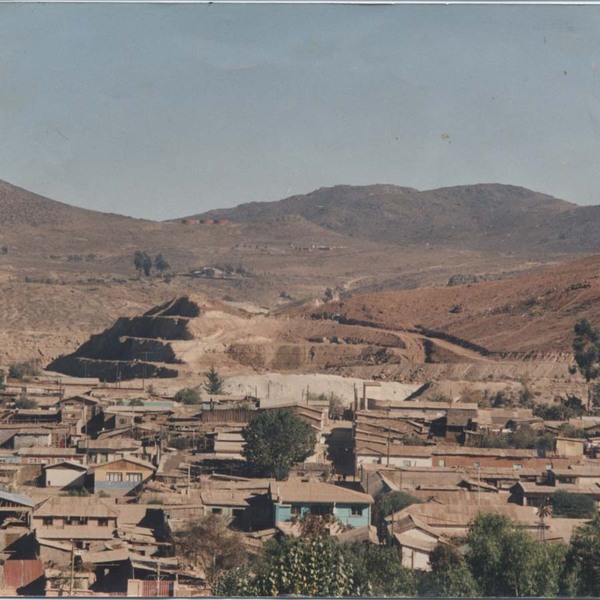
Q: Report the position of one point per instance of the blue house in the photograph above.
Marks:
(293, 500)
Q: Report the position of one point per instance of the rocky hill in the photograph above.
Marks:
(482, 217)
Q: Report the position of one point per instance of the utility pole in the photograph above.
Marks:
(72, 582)
(388, 445)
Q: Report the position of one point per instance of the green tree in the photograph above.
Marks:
(188, 396)
(450, 575)
(586, 348)
(378, 571)
(161, 264)
(582, 570)
(138, 261)
(506, 561)
(309, 566)
(275, 440)
(214, 383)
(392, 502)
(572, 505)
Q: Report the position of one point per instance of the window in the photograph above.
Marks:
(357, 511)
(442, 462)
(296, 510)
(517, 466)
(114, 477)
(217, 511)
(134, 477)
(321, 509)
(407, 463)
(102, 522)
(47, 521)
(76, 520)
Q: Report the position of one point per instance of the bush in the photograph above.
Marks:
(24, 369)
(25, 403)
(188, 396)
(572, 505)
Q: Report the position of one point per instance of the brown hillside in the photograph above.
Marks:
(533, 313)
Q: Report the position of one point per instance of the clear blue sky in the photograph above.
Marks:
(167, 110)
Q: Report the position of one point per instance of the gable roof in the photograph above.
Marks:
(129, 459)
(66, 464)
(75, 506)
(315, 491)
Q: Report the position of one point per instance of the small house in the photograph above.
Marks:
(122, 475)
(64, 475)
(292, 500)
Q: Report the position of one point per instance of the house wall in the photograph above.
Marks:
(64, 477)
(31, 440)
(395, 461)
(490, 461)
(342, 512)
(103, 481)
(415, 559)
(569, 447)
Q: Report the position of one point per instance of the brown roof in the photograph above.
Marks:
(224, 498)
(80, 532)
(68, 506)
(315, 491)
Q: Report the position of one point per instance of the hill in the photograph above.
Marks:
(479, 217)
(523, 316)
(21, 207)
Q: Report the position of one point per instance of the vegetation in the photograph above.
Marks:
(221, 549)
(336, 407)
(161, 264)
(213, 384)
(573, 505)
(582, 569)
(188, 396)
(506, 561)
(563, 409)
(142, 263)
(586, 348)
(392, 502)
(308, 566)
(23, 370)
(25, 403)
(275, 440)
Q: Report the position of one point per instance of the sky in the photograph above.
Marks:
(161, 111)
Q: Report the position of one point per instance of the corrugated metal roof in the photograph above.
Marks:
(16, 498)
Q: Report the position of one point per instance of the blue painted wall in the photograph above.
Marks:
(342, 512)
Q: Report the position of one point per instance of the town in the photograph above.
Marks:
(116, 488)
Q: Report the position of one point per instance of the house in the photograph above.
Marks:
(47, 456)
(294, 499)
(105, 450)
(416, 541)
(64, 475)
(398, 455)
(88, 521)
(575, 474)
(570, 446)
(122, 475)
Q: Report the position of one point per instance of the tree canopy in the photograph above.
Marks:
(275, 440)
(207, 544)
(573, 505)
(214, 383)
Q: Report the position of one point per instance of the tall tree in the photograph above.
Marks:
(506, 561)
(582, 572)
(161, 264)
(275, 440)
(138, 261)
(309, 566)
(586, 347)
(214, 383)
(207, 544)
